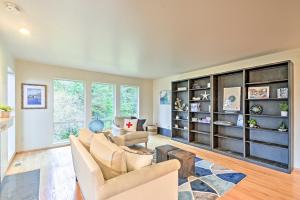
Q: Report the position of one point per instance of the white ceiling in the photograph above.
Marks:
(149, 38)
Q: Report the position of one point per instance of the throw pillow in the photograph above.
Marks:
(130, 124)
(85, 137)
(110, 158)
(140, 124)
(135, 160)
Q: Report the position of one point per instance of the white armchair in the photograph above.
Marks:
(123, 137)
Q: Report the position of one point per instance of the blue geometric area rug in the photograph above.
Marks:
(22, 186)
(209, 182)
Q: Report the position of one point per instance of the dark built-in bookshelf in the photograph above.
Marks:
(264, 145)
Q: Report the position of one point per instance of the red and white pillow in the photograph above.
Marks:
(130, 124)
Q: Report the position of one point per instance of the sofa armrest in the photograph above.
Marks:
(132, 180)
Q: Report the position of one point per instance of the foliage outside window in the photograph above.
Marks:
(69, 108)
(103, 103)
(129, 101)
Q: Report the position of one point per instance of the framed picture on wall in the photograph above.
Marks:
(165, 97)
(34, 96)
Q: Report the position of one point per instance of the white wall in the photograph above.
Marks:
(162, 116)
(35, 127)
(6, 60)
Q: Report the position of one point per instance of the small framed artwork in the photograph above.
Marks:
(259, 92)
(165, 97)
(232, 99)
(34, 96)
(282, 93)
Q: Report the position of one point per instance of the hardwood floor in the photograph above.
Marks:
(58, 181)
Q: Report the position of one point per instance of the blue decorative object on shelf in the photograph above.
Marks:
(96, 125)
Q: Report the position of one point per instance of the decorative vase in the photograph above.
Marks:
(284, 113)
(5, 114)
(252, 125)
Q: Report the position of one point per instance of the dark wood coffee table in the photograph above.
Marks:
(162, 152)
(186, 160)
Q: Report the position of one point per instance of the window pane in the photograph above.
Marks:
(69, 103)
(103, 103)
(129, 101)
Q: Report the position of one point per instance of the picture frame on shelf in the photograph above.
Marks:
(259, 92)
(232, 99)
(282, 93)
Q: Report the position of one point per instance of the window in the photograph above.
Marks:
(69, 108)
(129, 101)
(103, 103)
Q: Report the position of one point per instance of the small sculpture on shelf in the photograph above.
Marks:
(205, 96)
(196, 98)
(179, 106)
(177, 117)
(253, 123)
(176, 125)
(256, 109)
(196, 85)
(282, 127)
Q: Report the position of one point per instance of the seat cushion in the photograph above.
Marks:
(136, 135)
(110, 158)
(135, 160)
(85, 137)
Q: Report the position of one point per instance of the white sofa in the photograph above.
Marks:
(158, 181)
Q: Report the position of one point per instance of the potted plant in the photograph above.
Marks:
(282, 127)
(252, 123)
(284, 107)
(5, 111)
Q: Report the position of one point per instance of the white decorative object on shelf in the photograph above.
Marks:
(208, 85)
(224, 123)
(194, 119)
(240, 121)
(282, 93)
(181, 88)
(196, 98)
(205, 96)
(195, 107)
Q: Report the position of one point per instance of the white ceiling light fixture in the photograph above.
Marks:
(24, 31)
(12, 8)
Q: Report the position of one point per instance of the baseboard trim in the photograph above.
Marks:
(46, 148)
(164, 131)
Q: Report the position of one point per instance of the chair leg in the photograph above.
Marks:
(146, 145)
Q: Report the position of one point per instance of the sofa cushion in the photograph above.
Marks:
(136, 160)
(85, 137)
(130, 124)
(140, 124)
(110, 158)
